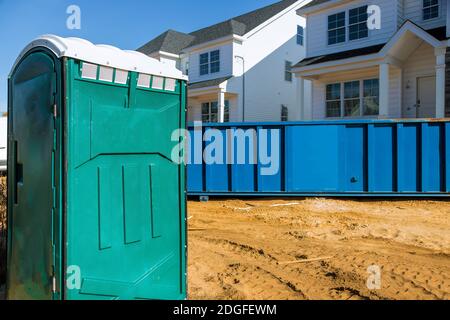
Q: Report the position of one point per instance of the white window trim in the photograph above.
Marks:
(200, 64)
(284, 108)
(210, 62)
(286, 71)
(302, 36)
(342, 100)
(347, 29)
(435, 18)
(215, 61)
(227, 101)
(349, 25)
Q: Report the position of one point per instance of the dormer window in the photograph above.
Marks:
(430, 9)
(300, 35)
(336, 28)
(215, 61)
(204, 64)
(210, 62)
(357, 27)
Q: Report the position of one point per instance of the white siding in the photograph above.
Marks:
(403, 82)
(420, 64)
(195, 108)
(400, 12)
(395, 97)
(318, 100)
(318, 25)
(265, 53)
(194, 111)
(413, 11)
(226, 63)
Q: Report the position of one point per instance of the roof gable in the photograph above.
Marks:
(432, 37)
(174, 42)
(170, 41)
(315, 3)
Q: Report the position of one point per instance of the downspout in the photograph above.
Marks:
(243, 86)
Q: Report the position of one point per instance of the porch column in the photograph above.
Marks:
(440, 82)
(301, 98)
(221, 106)
(384, 90)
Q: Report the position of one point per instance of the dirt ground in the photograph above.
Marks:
(249, 249)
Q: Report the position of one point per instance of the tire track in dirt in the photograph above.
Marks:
(249, 269)
(237, 255)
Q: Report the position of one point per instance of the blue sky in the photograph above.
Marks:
(126, 24)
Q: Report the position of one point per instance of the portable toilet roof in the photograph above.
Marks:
(101, 54)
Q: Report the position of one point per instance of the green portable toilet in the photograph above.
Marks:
(96, 205)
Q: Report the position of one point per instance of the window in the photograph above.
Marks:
(205, 112)
(430, 9)
(357, 28)
(227, 111)
(300, 35)
(204, 64)
(284, 113)
(347, 98)
(351, 99)
(210, 111)
(215, 61)
(288, 71)
(371, 97)
(186, 67)
(336, 28)
(333, 100)
(210, 62)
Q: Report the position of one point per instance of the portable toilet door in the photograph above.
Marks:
(96, 204)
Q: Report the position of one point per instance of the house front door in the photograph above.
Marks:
(426, 97)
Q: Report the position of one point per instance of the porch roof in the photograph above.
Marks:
(208, 83)
(437, 33)
(340, 55)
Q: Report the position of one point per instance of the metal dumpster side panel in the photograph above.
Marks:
(340, 158)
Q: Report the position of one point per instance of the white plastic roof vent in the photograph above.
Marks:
(158, 83)
(106, 74)
(121, 76)
(144, 80)
(89, 71)
(103, 55)
(170, 84)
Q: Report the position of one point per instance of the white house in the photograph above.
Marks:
(392, 67)
(240, 69)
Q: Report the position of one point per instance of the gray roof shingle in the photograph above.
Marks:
(339, 55)
(439, 33)
(170, 41)
(174, 42)
(208, 83)
(314, 3)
